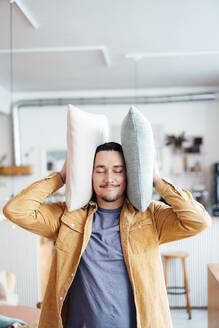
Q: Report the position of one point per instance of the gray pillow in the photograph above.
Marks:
(138, 147)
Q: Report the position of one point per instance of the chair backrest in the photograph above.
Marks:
(26, 313)
(11, 279)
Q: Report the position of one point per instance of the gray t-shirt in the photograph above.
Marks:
(101, 295)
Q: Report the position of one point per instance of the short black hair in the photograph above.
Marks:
(109, 146)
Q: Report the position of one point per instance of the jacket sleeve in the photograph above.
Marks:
(28, 210)
(183, 217)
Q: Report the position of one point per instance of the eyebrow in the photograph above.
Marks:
(115, 166)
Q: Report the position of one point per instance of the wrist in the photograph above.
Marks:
(60, 176)
(155, 180)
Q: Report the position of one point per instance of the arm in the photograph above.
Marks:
(28, 210)
(185, 217)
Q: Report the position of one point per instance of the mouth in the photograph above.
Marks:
(109, 187)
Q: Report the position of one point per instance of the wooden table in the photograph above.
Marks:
(213, 295)
(26, 313)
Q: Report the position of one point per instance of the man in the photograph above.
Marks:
(106, 270)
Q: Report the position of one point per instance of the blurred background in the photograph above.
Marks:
(162, 57)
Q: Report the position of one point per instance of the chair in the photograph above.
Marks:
(185, 289)
(7, 286)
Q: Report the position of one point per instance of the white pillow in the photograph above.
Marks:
(85, 131)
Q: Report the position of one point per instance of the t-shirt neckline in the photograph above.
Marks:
(106, 210)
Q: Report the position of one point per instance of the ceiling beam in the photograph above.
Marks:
(104, 51)
(26, 12)
(141, 55)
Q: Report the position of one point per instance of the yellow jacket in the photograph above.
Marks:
(141, 234)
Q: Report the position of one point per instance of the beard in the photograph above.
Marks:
(110, 199)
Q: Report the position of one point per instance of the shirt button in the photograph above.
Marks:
(61, 298)
(72, 274)
(72, 224)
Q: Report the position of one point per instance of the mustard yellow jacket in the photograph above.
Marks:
(141, 234)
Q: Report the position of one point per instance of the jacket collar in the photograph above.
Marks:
(126, 204)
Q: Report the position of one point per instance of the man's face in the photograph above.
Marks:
(109, 176)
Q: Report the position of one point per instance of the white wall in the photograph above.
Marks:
(6, 137)
(45, 128)
(5, 101)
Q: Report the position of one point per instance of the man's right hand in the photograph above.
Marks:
(63, 172)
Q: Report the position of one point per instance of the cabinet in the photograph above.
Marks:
(213, 295)
(188, 170)
(187, 164)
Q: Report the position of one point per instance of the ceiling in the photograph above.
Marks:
(82, 45)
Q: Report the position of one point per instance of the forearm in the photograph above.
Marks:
(28, 200)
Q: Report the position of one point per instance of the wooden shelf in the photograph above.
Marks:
(16, 170)
(188, 173)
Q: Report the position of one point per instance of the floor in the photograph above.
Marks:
(199, 319)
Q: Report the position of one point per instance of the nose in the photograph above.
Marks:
(108, 177)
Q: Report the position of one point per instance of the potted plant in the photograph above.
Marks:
(176, 141)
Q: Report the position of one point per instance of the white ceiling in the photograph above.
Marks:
(121, 27)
